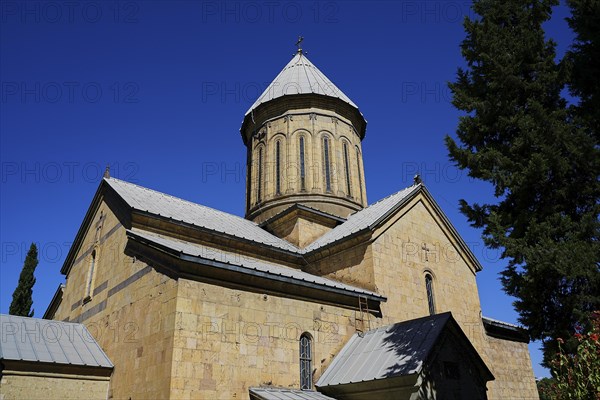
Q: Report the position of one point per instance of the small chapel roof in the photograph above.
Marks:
(300, 76)
(47, 341)
(395, 350)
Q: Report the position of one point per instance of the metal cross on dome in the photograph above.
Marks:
(298, 44)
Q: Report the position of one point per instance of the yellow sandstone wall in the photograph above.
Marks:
(400, 264)
(298, 230)
(511, 364)
(131, 312)
(187, 339)
(353, 266)
(228, 340)
(19, 385)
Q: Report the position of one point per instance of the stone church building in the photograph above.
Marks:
(313, 295)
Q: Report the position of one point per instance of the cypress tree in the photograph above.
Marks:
(517, 135)
(22, 296)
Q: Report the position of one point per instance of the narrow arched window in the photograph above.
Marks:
(260, 173)
(430, 298)
(88, 290)
(360, 189)
(347, 170)
(326, 165)
(278, 167)
(302, 166)
(305, 362)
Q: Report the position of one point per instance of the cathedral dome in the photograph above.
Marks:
(304, 146)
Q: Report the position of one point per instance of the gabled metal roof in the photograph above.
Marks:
(300, 76)
(249, 265)
(363, 219)
(164, 205)
(48, 341)
(394, 350)
(286, 394)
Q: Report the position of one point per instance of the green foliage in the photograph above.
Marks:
(546, 388)
(583, 62)
(519, 134)
(576, 376)
(22, 300)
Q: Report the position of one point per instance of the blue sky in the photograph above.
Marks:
(158, 90)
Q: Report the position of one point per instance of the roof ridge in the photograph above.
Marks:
(442, 315)
(391, 195)
(181, 199)
(384, 199)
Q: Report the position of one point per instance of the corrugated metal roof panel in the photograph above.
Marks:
(197, 250)
(300, 76)
(48, 341)
(157, 203)
(362, 219)
(394, 350)
(287, 394)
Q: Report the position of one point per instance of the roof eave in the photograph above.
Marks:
(500, 330)
(213, 232)
(249, 116)
(246, 270)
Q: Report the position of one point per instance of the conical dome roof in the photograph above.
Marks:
(300, 76)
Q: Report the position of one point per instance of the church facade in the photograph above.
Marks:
(314, 295)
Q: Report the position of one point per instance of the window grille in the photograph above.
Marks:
(305, 362)
(430, 299)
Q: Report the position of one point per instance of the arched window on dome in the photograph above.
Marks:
(278, 167)
(347, 170)
(259, 176)
(360, 184)
(430, 298)
(326, 164)
(301, 162)
(306, 361)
